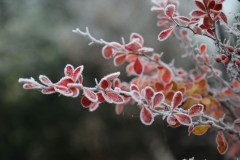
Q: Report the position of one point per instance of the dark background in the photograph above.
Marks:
(36, 39)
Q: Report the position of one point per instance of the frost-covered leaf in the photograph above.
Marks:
(75, 92)
(165, 34)
(85, 102)
(107, 52)
(48, 90)
(157, 99)
(137, 66)
(133, 87)
(200, 5)
(93, 107)
(197, 13)
(112, 76)
(169, 10)
(133, 46)
(177, 100)
(104, 84)
(64, 81)
(146, 116)
(119, 59)
(68, 70)
(138, 37)
(45, 80)
(63, 90)
(148, 93)
(90, 94)
(200, 129)
(171, 120)
(77, 73)
(223, 17)
(119, 109)
(195, 110)
(116, 98)
(184, 119)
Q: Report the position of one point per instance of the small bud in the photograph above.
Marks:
(237, 63)
(218, 59)
(238, 51)
(226, 61)
(223, 56)
(230, 49)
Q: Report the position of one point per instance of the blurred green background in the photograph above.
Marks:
(36, 39)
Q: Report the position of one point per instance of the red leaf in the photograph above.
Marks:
(63, 90)
(85, 102)
(177, 100)
(211, 5)
(195, 110)
(183, 119)
(185, 37)
(200, 5)
(107, 52)
(199, 77)
(197, 13)
(218, 7)
(197, 30)
(80, 79)
(93, 107)
(137, 66)
(64, 81)
(74, 91)
(206, 59)
(165, 34)
(148, 93)
(138, 37)
(48, 90)
(133, 46)
(119, 109)
(196, 97)
(77, 73)
(207, 22)
(120, 59)
(136, 96)
(146, 116)
(223, 17)
(90, 94)
(211, 33)
(116, 83)
(100, 97)
(116, 98)
(203, 48)
(112, 76)
(158, 98)
(171, 120)
(31, 86)
(104, 84)
(167, 75)
(106, 98)
(133, 87)
(45, 80)
(68, 70)
(182, 18)
(169, 10)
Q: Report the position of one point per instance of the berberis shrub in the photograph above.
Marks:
(180, 97)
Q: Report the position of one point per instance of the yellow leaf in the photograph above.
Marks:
(200, 129)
